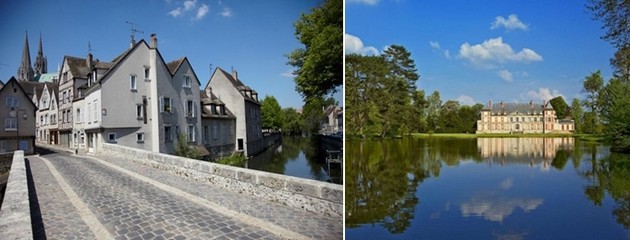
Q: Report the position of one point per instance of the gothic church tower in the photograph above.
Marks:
(25, 71)
(41, 63)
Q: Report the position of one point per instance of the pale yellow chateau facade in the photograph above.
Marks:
(521, 118)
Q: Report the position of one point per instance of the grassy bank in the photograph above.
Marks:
(587, 137)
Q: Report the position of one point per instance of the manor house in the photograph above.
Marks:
(521, 118)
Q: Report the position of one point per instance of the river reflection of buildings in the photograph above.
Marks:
(522, 150)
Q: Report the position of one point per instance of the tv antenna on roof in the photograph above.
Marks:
(134, 30)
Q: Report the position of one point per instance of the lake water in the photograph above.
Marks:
(486, 188)
(298, 157)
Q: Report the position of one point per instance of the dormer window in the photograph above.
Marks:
(223, 110)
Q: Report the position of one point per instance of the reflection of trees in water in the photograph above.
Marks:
(382, 177)
(610, 174)
(276, 158)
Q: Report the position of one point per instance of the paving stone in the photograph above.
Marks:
(130, 208)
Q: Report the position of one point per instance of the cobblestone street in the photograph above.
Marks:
(103, 197)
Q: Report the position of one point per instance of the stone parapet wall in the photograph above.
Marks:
(15, 213)
(309, 195)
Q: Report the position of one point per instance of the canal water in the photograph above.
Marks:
(486, 188)
(299, 157)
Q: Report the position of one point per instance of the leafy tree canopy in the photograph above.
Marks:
(320, 63)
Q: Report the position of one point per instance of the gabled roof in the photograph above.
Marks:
(20, 87)
(32, 88)
(78, 66)
(236, 83)
(174, 65)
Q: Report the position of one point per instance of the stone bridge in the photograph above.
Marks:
(127, 193)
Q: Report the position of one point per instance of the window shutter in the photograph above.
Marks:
(194, 109)
(161, 104)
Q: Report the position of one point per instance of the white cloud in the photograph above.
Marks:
(497, 210)
(354, 44)
(505, 75)
(189, 4)
(466, 100)
(435, 45)
(510, 23)
(543, 94)
(227, 12)
(494, 50)
(447, 54)
(175, 12)
(201, 12)
(506, 184)
(368, 2)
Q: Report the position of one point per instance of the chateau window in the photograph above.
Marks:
(132, 83)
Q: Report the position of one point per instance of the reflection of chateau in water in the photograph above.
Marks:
(522, 150)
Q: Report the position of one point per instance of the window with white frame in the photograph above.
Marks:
(190, 108)
(140, 137)
(139, 111)
(111, 137)
(186, 82)
(191, 133)
(166, 104)
(78, 115)
(132, 82)
(12, 101)
(10, 124)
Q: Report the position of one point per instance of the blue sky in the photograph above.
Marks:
(251, 36)
(475, 51)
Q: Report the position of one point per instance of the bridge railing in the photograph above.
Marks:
(309, 195)
(15, 213)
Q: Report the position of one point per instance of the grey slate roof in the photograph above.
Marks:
(510, 108)
(213, 100)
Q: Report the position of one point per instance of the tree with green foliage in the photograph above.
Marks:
(577, 114)
(272, 115)
(621, 63)
(294, 124)
(319, 65)
(183, 149)
(560, 106)
(417, 118)
(364, 93)
(592, 86)
(615, 15)
(313, 113)
(616, 113)
(400, 84)
(433, 111)
(449, 120)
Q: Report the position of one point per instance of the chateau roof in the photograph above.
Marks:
(510, 108)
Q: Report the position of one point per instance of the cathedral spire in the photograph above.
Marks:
(25, 71)
(40, 61)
